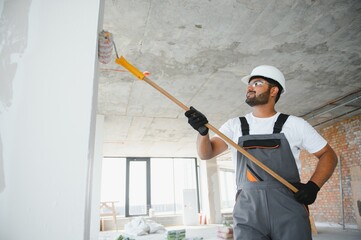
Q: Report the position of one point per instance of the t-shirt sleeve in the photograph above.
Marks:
(227, 129)
(312, 141)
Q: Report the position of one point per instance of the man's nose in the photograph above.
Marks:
(250, 87)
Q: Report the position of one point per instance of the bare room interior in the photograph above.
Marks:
(198, 51)
(89, 151)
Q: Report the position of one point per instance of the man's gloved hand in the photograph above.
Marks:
(197, 120)
(307, 193)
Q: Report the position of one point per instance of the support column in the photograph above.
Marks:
(211, 192)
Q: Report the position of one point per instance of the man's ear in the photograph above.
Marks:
(274, 91)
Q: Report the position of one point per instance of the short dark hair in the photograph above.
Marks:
(273, 83)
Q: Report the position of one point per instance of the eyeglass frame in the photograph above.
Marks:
(259, 81)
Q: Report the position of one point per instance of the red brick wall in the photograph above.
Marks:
(345, 138)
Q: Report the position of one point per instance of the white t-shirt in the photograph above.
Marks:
(299, 133)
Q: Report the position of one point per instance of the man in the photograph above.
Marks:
(265, 208)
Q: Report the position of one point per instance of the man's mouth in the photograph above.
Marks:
(250, 93)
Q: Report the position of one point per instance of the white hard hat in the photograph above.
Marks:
(268, 72)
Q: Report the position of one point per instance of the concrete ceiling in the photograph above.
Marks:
(199, 50)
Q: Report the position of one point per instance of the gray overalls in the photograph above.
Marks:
(265, 208)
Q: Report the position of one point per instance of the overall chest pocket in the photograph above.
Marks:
(262, 144)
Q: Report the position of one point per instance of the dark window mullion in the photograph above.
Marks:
(149, 201)
(127, 189)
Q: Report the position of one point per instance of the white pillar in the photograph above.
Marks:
(210, 191)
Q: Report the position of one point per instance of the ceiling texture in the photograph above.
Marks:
(198, 50)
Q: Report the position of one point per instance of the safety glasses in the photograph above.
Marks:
(258, 83)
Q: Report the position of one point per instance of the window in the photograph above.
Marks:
(169, 177)
(162, 185)
(184, 178)
(138, 184)
(113, 183)
(137, 200)
(227, 188)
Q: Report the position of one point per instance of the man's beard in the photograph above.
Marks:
(261, 99)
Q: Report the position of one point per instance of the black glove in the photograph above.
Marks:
(197, 120)
(307, 193)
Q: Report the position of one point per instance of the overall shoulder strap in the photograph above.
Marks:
(282, 118)
(244, 126)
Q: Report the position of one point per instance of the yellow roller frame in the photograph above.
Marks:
(122, 61)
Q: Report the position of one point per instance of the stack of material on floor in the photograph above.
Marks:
(124, 238)
(225, 232)
(176, 234)
(140, 226)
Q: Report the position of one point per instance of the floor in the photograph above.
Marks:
(328, 233)
(208, 232)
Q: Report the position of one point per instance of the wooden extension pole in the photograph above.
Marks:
(141, 76)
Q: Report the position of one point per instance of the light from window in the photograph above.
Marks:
(169, 176)
(113, 183)
(227, 187)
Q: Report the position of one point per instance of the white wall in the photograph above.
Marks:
(47, 117)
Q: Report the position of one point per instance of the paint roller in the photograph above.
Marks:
(106, 46)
